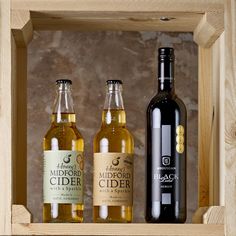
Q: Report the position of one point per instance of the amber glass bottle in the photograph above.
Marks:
(63, 162)
(113, 161)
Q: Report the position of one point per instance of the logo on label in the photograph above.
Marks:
(166, 160)
(66, 159)
(115, 162)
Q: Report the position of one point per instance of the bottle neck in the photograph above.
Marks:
(63, 110)
(113, 111)
(166, 76)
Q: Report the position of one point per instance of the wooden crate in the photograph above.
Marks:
(217, 50)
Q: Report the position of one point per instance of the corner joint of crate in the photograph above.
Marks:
(22, 27)
(209, 28)
(20, 214)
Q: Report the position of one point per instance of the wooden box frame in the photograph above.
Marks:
(217, 50)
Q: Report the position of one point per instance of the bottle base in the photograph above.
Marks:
(63, 221)
(111, 221)
(167, 221)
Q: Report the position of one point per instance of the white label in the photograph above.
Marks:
(63, 177)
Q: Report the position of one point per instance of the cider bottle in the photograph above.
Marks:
(63, 162)
(113, 162)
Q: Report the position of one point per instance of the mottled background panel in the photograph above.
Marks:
(89, 59)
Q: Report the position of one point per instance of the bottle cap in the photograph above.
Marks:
(114, 82)
(63, 81)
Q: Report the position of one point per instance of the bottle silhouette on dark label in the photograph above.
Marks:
(166, 149)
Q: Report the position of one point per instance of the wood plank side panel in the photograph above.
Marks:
(126, 21)
(216, 171)
(19, 78)
(217, 177)
(222, 122)
(119, 5)
(230, 116)
(120, 229)
(205, 120)
(5, 119)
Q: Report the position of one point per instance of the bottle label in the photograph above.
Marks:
(165, 169)
(63, 177)
(113, 179)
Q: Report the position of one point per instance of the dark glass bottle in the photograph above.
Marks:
(166, 148)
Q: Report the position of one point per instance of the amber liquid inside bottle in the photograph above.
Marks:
(120, 141)
(68, 138)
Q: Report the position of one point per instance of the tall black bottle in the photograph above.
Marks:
(166, 148)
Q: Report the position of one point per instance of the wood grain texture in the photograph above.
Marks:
(209, 28)
(205, 18)
(214, 215)
(210, 125)
(20, 214)
(126, 21)
(119, 229)
(222, 121)
(217, 164)
(119, 5)
(209, 215)
(22, 27)
(205, 121)
(230, 116)
(19, 123)
(5, 119)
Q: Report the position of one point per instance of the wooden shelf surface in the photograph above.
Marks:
(118, 229)
(213, 216)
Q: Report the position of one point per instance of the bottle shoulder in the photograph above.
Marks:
(163, 100)
(119, 132)
(63, 130)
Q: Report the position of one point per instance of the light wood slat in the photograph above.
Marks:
(205, 124)
(126, 21)
(217, 161)
(222, 121)
(120, 229)
(230, 116)
(19, 123)
(5, 119)
(213, 215)
(119, 5)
